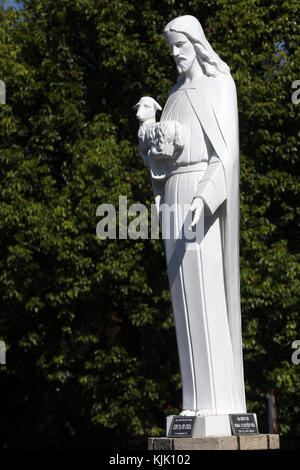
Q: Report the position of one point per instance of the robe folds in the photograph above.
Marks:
(204, 273)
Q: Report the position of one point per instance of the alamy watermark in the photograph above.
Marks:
(2, 343)
(2, 352)
(296, 94)
(2, 92)
(175, 222)
(296, 354)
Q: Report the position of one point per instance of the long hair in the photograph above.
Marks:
(208, 59)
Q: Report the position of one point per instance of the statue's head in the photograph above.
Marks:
(188, 43)
(146, 109)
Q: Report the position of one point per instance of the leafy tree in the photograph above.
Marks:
(87, 322)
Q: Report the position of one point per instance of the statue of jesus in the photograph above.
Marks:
(202, 182)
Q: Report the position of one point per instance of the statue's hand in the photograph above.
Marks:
(159, 151)
(197, 207)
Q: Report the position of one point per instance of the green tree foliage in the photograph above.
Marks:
(91, 350)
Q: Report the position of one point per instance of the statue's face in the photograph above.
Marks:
(182, 49)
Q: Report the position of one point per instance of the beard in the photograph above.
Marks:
(184, 64)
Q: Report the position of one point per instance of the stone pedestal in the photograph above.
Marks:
(247, 442)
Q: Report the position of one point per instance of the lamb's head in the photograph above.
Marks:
(146, 109)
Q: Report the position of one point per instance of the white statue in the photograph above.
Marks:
(202, 174)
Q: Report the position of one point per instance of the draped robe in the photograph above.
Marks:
(204, 275)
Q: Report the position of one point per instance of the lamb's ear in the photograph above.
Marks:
(136, 106)
(156, 105)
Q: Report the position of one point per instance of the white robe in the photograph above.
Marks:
(209, 342)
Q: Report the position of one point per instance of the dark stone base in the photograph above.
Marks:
(255, 442)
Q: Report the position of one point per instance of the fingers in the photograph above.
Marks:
(197, 206)
(196, 217)
(195, 203)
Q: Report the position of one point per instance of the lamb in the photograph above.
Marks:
(157, 140)
(146, 109)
